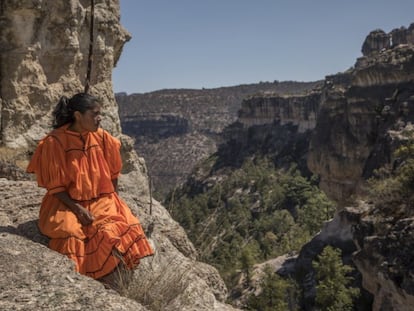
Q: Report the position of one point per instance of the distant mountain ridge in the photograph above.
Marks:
(176, 128)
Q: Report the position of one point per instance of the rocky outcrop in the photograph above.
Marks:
(338, 233)
(365, 115)
(44, 52)
(299, 110)
(282, 265)
(376, 41)
(276, 126)
(384, 255)
(35, 277)
(379, 41)
(170, 280)
(43, 55)
(357, 112)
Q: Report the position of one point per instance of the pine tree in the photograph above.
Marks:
(333, 292)
(277, 294)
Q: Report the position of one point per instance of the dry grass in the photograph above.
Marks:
(158, 291)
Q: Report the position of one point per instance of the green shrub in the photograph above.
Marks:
(276, 294)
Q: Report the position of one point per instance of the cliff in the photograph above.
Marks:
(366, 117)
(43, 55)
(275, 126)
(358, 110)
(298, 110)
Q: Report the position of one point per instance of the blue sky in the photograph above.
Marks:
(213, 43)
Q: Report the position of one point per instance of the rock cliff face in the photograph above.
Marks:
(384, 257)
(365, 115)
(358, 109)
(299, 110)
(378, 40)
(43, 55)
(279, 127)
(44, 52)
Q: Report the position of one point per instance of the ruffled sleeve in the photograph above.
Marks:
(49, 165)
(112, 154)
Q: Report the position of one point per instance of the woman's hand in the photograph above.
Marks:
(84, 216)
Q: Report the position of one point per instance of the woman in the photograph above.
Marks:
(79, 163)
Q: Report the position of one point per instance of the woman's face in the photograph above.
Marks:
(89, 120)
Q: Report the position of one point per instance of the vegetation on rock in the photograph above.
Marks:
(277, 294)
(333, 291)
(247, 215)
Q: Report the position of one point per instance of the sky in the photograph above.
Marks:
(213, 43)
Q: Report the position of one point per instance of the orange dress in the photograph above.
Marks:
(84, 165)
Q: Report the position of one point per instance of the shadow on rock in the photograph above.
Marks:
(28, 230)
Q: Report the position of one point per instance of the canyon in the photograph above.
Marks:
(342, 129)
(175, 129)
(344, 132)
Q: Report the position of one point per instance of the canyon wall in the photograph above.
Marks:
(299, 110)
(358, 110)
(276, 126)
(175, 129)
(355, 123)
(366, 114)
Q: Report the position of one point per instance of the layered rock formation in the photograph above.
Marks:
(379, 41)
(299, 110)
(276, 126)
(43, 55)
(362, 117)
(384, 257)
(358, 108)
(366, 114)
(44, 52)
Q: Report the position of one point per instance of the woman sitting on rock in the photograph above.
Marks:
(79, 164)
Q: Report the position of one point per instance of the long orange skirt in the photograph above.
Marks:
(91, 247)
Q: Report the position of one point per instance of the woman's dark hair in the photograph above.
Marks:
(66, 107)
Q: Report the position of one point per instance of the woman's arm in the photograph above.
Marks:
(83, 215)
